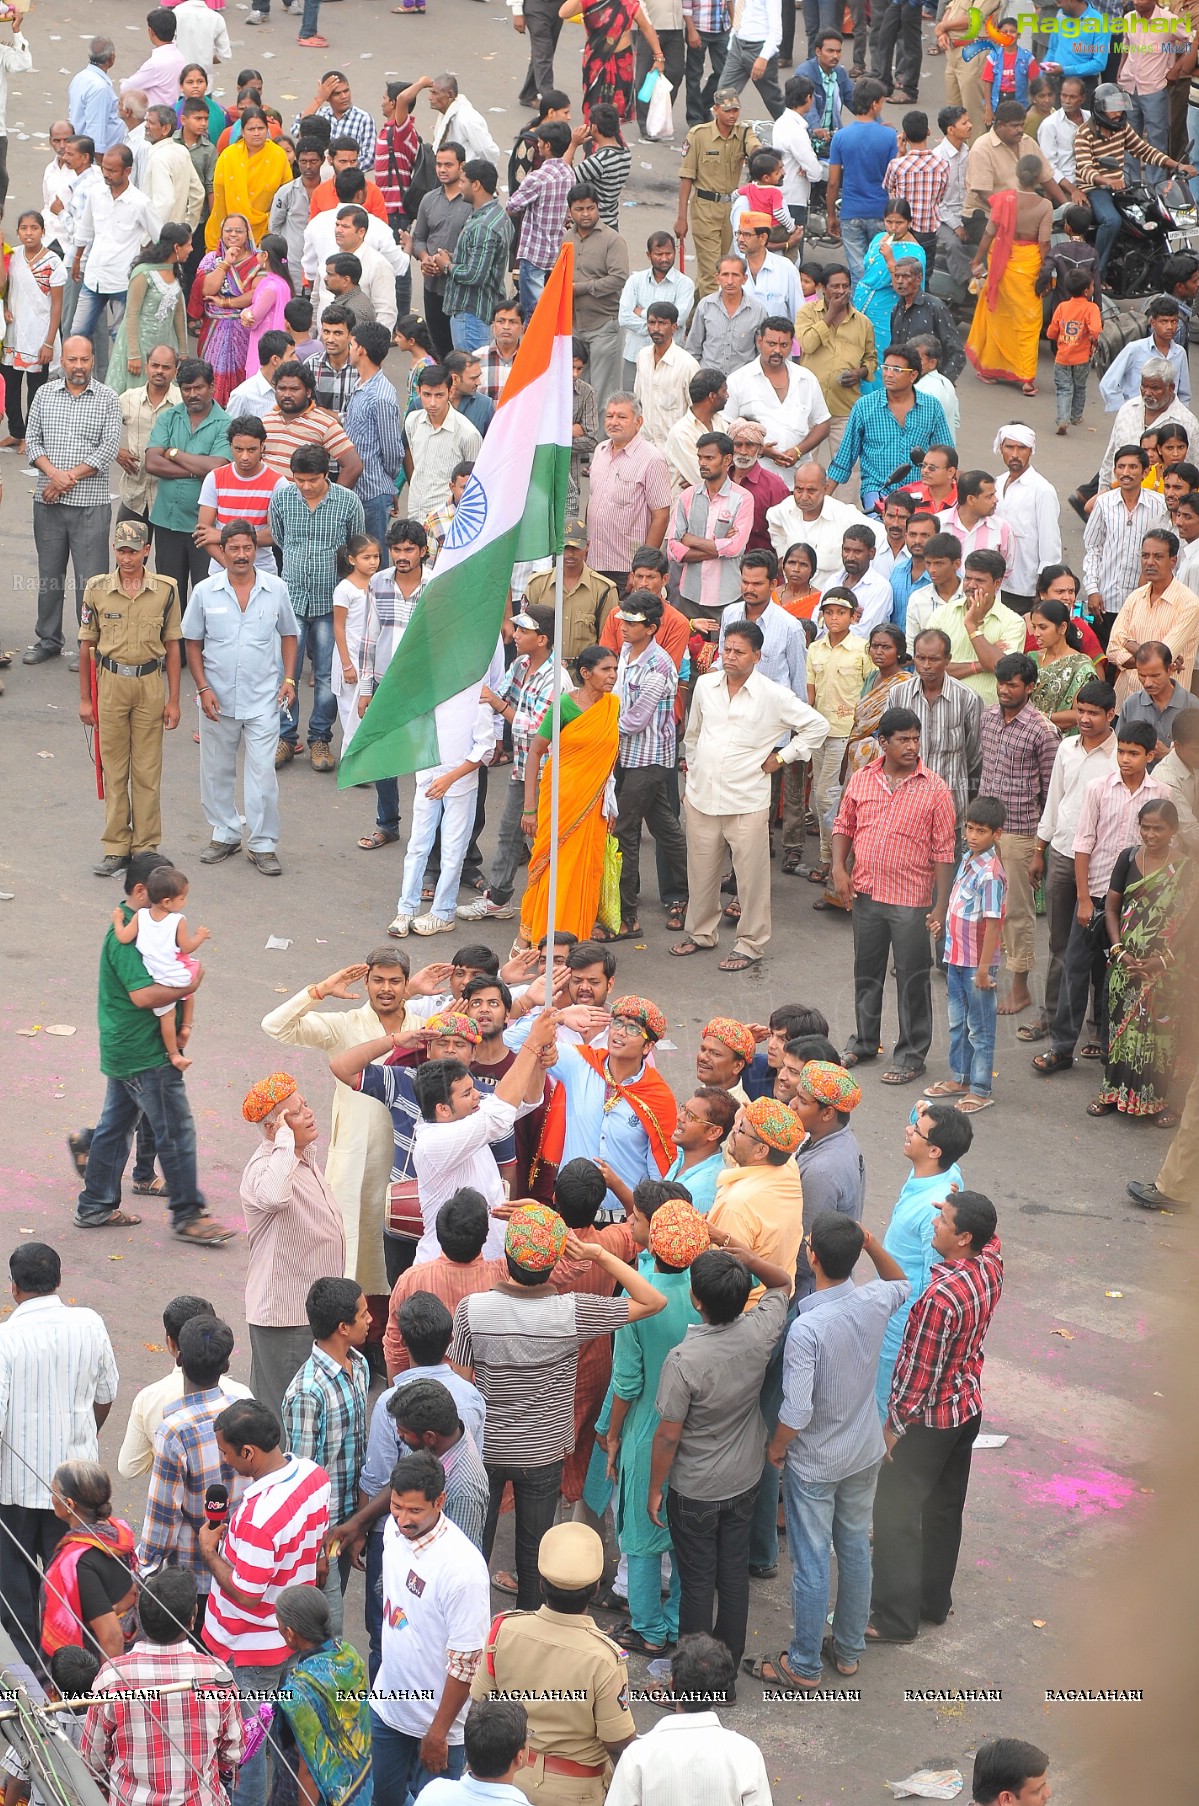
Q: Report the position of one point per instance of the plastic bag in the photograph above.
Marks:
(659, 118)
(609, 903)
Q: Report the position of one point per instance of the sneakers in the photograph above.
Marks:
(267, 863)
(432, 924)
(321, 755)
(399, 928)
(285, 752)
(216, 850)
(110, 865)
(256, 18)
(484, 910)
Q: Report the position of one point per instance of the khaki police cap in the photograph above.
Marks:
(131, 535)
(570, 1556)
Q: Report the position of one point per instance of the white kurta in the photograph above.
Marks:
(358, 1164)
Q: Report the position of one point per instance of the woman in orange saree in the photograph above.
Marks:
(588, 746)
(1005, 336)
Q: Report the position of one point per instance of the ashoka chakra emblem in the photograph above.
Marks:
(469, 517)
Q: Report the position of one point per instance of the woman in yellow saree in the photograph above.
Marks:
(1005, 337)
(246, 178)
(588, 747)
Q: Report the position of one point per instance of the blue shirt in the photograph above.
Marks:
(902, 585)
(863, 151)
(373, 424)
(1085, 50)
(469, 1791)
(909, 1240)
(1121, 381)
(614, 1135)
(878, 444)
(92, 110)
(382, 1444)
(700, 1181)
(243, 660)
(830, 1360)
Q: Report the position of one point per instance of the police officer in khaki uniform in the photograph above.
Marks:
(131, 624)
(571, 1679)
(714, 159)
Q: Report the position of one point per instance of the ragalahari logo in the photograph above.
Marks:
(1088, 25)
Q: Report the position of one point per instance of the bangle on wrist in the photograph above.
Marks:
(316, 994)
(203, 690)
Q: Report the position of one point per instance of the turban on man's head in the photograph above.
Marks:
(535, 1237)
(746, 429)
(677, 1233)
(830, 1084)
(261, 1099)
(736, 1037)
(455, 1022)
(774, 1124)
(1015, 429)
(642, 1014)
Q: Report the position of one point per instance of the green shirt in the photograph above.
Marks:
(177, 503)
(130, 1038)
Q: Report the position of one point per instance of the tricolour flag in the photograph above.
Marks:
(512, 510)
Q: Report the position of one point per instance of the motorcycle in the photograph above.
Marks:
(1151, 228)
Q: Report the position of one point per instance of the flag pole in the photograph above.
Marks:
(551, 914)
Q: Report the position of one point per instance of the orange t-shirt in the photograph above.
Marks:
(1075, 326)
(324, 196)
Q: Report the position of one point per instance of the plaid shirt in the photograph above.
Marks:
(333, 387)
(937, 1380)
(69, 430)
(1018, 760)
(541, 198)
(186, 1464)
(386, 606)
(646, 687)
(898, 835)
(878, 443)
(531, 697)
(324, 1418)
(310, 539)
(354, 123)
(978, 896)
(707, 15)
(920, 178)
(496, 371)
(166, 1751)
(478, 278)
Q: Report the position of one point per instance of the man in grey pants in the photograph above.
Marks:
(753, 53)
(71, 439)
(541, 22)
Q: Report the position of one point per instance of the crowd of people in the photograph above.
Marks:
(624, 1313)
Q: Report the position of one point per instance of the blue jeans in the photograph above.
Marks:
(856, 235)
(820, 1512)
(398, 1770)
(308, 24)
(532, 281)
(387, 805)
(1104, 209)
(971, 1031)
(315, 639)
(377, 510)
(89, 310)
(252, 1778)
(469, 332)
(764, 1529)
(1149, 115)
(654, 1618)
(160, 1095)
(1070, 387)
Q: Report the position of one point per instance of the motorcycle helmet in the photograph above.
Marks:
(1109, 106)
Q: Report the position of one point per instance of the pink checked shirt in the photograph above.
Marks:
(726, 517)
(991, 535)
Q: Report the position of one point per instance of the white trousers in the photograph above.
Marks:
(219, 741)
(456, 813)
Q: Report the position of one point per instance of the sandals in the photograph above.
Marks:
(684, 949)
(676, 917)
(202, 1234)
(792, 864)
(818, 874)
(120, 1219)
(831, 1657)
(901, 1075)
(736, 962)
(1092, 1051)
(733, 911)
(79, 1143)
(850, 1060)
(628, 931)
(774, 1672)
(1028, 388)
(828, 902)
(1165, 1119)
(370, 842)
(151, 1188)
(1099, 1106)
(631, 1639)
(947, 1088)
(503, 1582)
(1033, 1031)
(971, 1105)
(1048, 1063)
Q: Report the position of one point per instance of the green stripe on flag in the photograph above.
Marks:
(453, 633)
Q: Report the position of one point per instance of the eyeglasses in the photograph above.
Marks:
(692, 1115)
(895, 370)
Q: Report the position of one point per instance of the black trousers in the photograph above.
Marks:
(712, 45)
(177, 555)
(883, 932)
(543, 28)
(13, 379)
(918, 1526)
(29, 1536)
(1083, 965)
(535, 1491)
(3, 170)
(711, 1546)
(643, 794)
(674, 49)
(895, 50)
(438, 322)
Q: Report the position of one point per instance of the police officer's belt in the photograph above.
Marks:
(705, 194)
(110, 664)
(562, 1765)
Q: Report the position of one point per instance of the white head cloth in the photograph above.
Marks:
(1023, 435)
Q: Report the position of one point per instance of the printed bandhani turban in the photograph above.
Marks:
(536, 1237)
(644, 1014)
(454, 1022)
(678, 1234)
(774, 1124)
(830, 1084)
(735, 1036)
(746, 429)
(262, 1098)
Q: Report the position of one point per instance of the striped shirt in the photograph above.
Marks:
(390, 1081)
(830, 1363)
(387, 608)
(286, 432)
(241, 498)
(1018, 757)
(395, 154)
(372, 420)
(71, 429)
(478, 277)
(727, 518)
(938, 1373)
(295, 1231)
(949, 734)
(1173, 618)
(607, 170)
(449, 1280)
(898, 835)
(978, 897)
(167, 1749)
(186, 1463)
(273, 1540)
(56, 1362)
(989, 535)
(324, 1419)
(310, 539)
(1111, 561)
(1107, 823)
(525, 1354)
(628, 484)
(646, 687)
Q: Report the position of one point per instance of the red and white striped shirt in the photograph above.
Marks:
(241, 498)
(273, 1541)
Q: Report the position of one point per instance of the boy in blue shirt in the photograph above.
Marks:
(974, 920)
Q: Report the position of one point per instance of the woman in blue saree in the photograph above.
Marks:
(874, 295)
(322, 1720)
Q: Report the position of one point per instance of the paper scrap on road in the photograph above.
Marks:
(60, 1028)
(275, 945)
(1063, 1333)
(928, 1784)
(31, 1032)
(6, 896)
(989, 1442)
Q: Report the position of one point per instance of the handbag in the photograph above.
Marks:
(403, 1217)
(609, 903)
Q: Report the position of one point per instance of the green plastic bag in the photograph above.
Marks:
(609, 903)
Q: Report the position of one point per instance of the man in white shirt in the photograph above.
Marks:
(690, 1755)
(172, 187)
(58, 1378)
(58, 179)
(664, 372)
(952, 244)
(793, 142)
(451, 1146)
(732, 747)
(257, 394)
(153, 1401)
(158, 76)
(1027, 503)
(783, 396)
(436, 1614)
(1058, 131)
(369, 240)
(117, 222)
(132, 107)
(437, 437)
(15, 59)
(769, 278)
(873, 592)
(201, 36)
(662, 281)
(753, 51)
(458, 121)
(818, 519)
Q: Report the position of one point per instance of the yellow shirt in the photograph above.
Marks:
(1002, 626)
(761, 1207)
(835, 677)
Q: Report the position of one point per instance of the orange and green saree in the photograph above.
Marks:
(588, 746)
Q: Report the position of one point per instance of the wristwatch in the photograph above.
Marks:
(173, 452)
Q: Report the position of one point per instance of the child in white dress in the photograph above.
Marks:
(166, 945)
(357, 563)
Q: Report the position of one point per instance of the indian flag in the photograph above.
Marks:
(512, 509)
